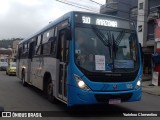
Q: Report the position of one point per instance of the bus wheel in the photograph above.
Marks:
(49, 92)
(23, 79)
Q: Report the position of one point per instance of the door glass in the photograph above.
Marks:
(63, 56)
(61, 70)
(60, 78)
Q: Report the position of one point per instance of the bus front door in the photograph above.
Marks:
(63, 60)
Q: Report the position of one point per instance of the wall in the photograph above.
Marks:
(123, 8)
(142, 21)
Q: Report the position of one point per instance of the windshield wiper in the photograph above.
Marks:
(102, 37)
(107, 42)
(117, 41)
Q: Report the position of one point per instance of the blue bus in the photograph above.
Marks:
(83, 58)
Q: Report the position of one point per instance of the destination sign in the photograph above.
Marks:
(103, 20)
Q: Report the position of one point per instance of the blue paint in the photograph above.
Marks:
(77, 96)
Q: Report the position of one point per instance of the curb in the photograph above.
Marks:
(154, 90)
(150, 93)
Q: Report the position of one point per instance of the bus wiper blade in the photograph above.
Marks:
(119, 37)
(101, 36)
(117, 41)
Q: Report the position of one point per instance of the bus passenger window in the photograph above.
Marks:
(55, 34)
(62, 48)
(31, 49)
(47, 35)
(19, 53)
(25, 50)
(38, 40)
(53, 46)
(38, 52)
(46, 48)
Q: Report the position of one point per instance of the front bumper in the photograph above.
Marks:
(12, 72)
(80, 97)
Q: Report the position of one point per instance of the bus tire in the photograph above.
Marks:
(49, 91)
(23, 78)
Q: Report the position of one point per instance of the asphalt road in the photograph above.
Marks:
(15, 97)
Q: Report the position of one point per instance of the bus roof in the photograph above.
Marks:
(63, 17)
(53, 23)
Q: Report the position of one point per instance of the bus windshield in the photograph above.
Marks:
(12, 64)
(98, 49)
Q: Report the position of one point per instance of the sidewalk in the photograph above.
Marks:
(146, 77)
(147, 87)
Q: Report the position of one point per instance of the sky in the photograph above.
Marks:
(21, 18)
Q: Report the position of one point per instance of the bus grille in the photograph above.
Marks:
(96, 78)
(104, 98)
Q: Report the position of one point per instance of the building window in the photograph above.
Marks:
(140, 6)
(134, 12)
(140, 28)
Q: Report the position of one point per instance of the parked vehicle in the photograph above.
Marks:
(11, 69)
(3, 63)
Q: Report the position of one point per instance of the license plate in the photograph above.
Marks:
(114, 101)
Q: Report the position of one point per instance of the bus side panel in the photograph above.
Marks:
(39, 67)
(23, 64)
(36, 72)
(51, 65)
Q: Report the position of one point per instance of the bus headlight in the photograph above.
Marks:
(139, 83)
(80, 83)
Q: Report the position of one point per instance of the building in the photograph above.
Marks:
(123, 8)
(147, 25)
(146, 14)
(14, 48)
(6, 43)
(9, 47)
